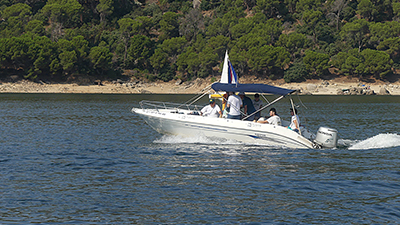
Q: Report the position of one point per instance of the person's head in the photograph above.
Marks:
(291, 111)
(256, 97)
(241, 95)
(212, 102)
(272, 112)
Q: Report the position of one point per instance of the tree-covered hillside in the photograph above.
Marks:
(166, 39)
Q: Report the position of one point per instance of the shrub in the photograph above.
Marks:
(297, 72)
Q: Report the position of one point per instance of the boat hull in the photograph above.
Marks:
(183, 124)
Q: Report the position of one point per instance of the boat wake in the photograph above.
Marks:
(378, 141)
(172, 139)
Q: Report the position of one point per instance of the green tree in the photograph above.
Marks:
(159, 61)
(62, 14)
(311, 20)
(382, 31)
(43, 51)
(173, 47)
(218, 27)
(293, 42)
(73, 56)
(251, 40)
(36, 27)
(243, 27)
(377, 63)
(65, 12)
(169, 26)
(105, 8)
(81, 46)
(100, 57)
(396, 10)
(209, 4)
(14, 52)
(188, 63)
(32, 54)
(68, 61)
(355, 33)
(291, 5)
(15, 16)
(353, 66)
(208, 59)
(271, 8)
(297, 72)
(392, 47)
(238, 59)
(317, 63)
(349, 63)
(140, 50)
(272, 27)
(266, 58)
(125, 29)
(142, 25)
(222, 26)
(366, 9)
(219, 44)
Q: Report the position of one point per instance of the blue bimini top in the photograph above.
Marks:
(254, 88)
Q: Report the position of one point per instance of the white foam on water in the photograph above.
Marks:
(204, 144)
(378, 141)
(344, 143)
(172, 139)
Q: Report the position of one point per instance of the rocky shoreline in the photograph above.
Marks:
(316, 87)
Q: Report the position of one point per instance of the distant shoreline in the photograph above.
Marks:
(315, 87)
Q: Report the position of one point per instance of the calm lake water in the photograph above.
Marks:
(86, 159)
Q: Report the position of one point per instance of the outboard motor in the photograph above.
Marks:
(326, 137)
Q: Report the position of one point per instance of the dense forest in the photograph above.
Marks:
(166, 39)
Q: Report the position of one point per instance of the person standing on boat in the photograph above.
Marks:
(211, 110)
(224, 107)
(274, 119)
(234, 104)
(257, 103)
(247, 106)
(295, 121)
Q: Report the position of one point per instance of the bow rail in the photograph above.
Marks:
(145, 104)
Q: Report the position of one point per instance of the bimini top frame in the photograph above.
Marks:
(254, 88)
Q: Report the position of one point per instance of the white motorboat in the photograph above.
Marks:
(185, 120)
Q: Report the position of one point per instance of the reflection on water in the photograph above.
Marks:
(88, 159)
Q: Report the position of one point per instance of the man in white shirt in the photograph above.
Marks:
(295, 121)
(274, 119)
(211, 110)
(234, 104)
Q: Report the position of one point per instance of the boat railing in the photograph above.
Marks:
(145, 104)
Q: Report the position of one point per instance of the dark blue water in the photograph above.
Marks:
(86, 159)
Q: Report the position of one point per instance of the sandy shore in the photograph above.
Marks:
(313, 87)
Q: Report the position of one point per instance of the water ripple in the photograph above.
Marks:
(85, 159)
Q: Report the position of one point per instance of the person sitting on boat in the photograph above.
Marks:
(211, 110)
(247, 106)
(257, 102)
(234, 104)
(295, 121)
(274, 119)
